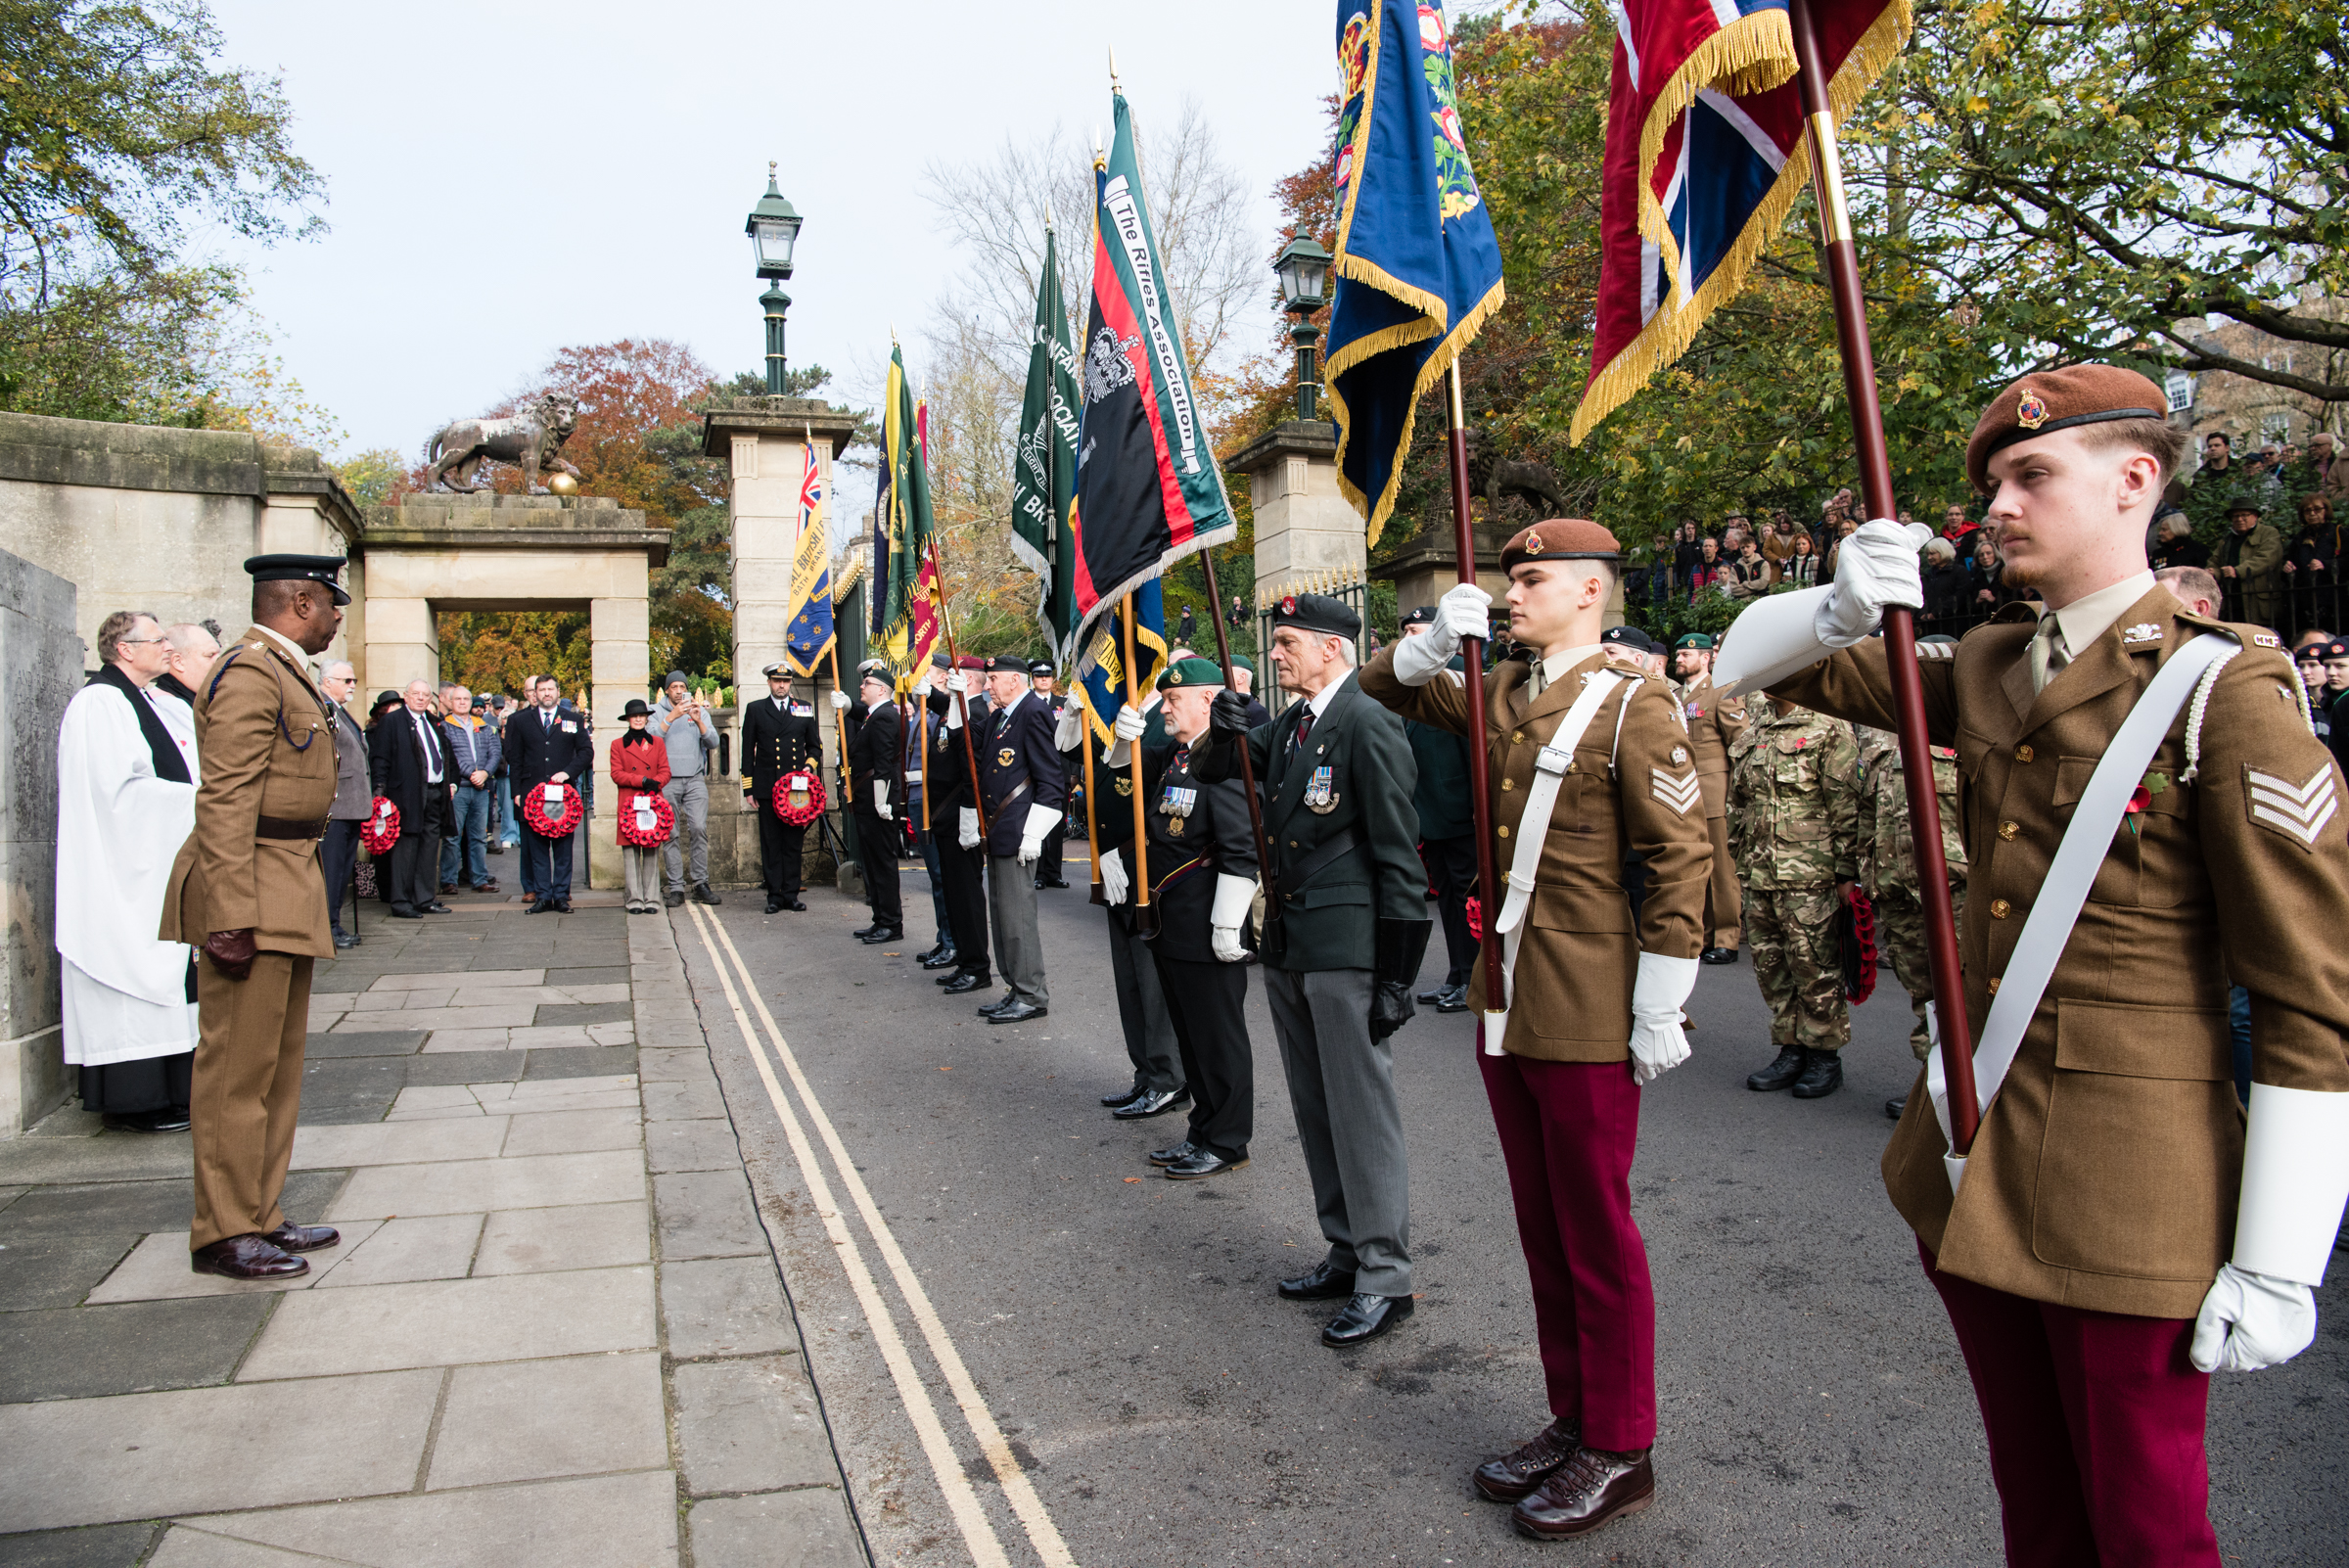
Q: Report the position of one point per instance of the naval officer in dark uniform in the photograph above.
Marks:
(1025, 788)
(1341, 959)
(778, 741)
(1202, 870)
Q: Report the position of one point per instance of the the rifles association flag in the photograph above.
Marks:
(1149, 490)
(1418, 266)
(904, 600)
(1706, 154)
(1044, 473)
(807, 638)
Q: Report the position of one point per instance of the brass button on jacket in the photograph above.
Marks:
(2022, 753)
(2007, 830)
(1999, 909)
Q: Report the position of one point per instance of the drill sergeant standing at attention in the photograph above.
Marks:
(1587, 759)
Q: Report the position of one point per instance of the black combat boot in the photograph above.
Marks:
(1779, 1074)
(1822, 1076)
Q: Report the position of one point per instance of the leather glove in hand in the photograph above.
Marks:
(231, 951)
(2250, 1322)
(1876, 568)
(1391, 1007)
(1228, 714)
(1113, 876)
(967, 829)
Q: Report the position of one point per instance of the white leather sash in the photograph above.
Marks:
(2078, 858)
(1533, 829)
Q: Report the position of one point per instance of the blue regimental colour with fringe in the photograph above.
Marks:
(1418, 267)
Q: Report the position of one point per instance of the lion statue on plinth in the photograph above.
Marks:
(531, 441)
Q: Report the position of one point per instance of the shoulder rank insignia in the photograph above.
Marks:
(2299, 811)
(2265, 639)
(2143, 631)
(1682, 794)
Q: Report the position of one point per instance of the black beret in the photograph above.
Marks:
(1424, 615)
(1317, 612)
(1628, 637)
(1007, 665)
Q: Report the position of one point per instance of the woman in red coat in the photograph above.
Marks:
(639, 767)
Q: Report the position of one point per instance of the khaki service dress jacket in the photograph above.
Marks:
(1715, 721)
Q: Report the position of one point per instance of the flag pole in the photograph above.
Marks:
(839, 723)
(1256, 807)
(1472, 654)
(962, 703)
(1145, 918)
(1842, 259)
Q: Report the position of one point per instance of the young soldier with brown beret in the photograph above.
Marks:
(1586, 759)
(2116, 1232)
(1715, 721)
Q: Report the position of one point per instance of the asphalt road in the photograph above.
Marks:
(1168, 1408)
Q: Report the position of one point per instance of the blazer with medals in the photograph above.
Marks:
(1017, 768)
(1197, 831)
(268, 772)
(1631, 785)
(875, 748)
(776, 741)
(2105, 1174)
(1714, 721)
(536, 751)
(1340, 824)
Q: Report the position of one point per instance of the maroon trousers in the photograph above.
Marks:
(1568, 1130)
(2094, 1421)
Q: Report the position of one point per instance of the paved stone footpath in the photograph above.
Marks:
(554, 1331)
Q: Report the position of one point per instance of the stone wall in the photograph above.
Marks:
(40, 670)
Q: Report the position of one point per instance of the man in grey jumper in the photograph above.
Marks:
(682, 720)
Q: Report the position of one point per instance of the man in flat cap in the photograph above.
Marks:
(1587, 758)
(1346, 926)
(875, 758)
(2149, 815)
(1024, 786)
(247, 889)
(1715, 723)
(1447, 834)
(2248, 563)
(776, 743)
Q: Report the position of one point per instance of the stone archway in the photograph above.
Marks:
(433, 552)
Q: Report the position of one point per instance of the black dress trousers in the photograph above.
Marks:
(877, 853)
(1206, 1002)
(964, 875)
(782, 854)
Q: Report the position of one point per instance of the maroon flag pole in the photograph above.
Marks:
(1842, 258)
(1472, 654)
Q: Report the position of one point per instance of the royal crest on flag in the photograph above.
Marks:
(1418, 266)
(1706, 154)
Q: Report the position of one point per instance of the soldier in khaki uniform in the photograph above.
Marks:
(247, 889)
(2118, 1230)
(1714, 721)
(1888, 862)
(1588, 758)
(1794, 825)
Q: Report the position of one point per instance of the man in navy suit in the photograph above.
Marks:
(1025, 787)
(409, 764)
(546, 745)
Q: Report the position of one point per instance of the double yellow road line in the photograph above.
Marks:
(978, 1533)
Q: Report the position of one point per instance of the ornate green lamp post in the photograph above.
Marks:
(773, 227)
(1303, 269)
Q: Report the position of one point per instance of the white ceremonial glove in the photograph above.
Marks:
(921, 688)
(1657, 995)
(1114, 881)
(1128, 727)
(2261, 1311)
(1460, 612)
(881, 801)
(1877, 568)
(1040, 820)
(959, 682)
(967, 829)
(1233, 896)
(953, 718)
(1068, 733)
(841, 702)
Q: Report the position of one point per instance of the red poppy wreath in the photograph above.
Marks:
(533, 811)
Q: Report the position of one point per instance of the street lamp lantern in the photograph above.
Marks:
(1303, 269)
(773, 227)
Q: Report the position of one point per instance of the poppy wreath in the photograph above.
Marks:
(800, 816)
(1476, 917)
(665, 820)
(534, 811)
(1857, 934)
(382, 828)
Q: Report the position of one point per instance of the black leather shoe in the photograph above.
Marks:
(1454, 998)
(1199, 1164)
(794, 905)
(290, 1237)
(703, 894)
(964, 984)
(1780, 1074)
(941, 958)
(928, 953)
(1893, 1108)
(774, 906)
(562, 906)
(1822, 1076)
(1428, 998)
(1173, 1154)
(1718, 955)
(417, 914)
(862, 932)
(1520, 1472)
(1324, 1284)
(885, 934)
(1591, 1489)
(169, 1119)
(1111, 1102)
(1367, 1316)
(1007, 999)
(245, 1256)
(343, 939)
(1018, 1012)
(438, 907)
(1157, 1102)
(673, 898)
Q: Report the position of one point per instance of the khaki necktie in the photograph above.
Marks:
(2047, 653)
(1538, 680)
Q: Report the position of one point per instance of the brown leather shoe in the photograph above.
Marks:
(248, 1257)
(1593, 1488)
(290, 1237)
(1515, 1475)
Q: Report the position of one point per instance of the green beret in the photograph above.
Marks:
(1240, 662)
(1694, 639)
(1191, 673)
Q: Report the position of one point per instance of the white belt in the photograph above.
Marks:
(2078, 858)
(1549, 767)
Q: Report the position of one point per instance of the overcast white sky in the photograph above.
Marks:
(510, 178)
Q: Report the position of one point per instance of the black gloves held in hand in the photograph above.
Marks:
(1229, 714)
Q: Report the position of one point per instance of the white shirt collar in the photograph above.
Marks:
(2091, 615)
(1319, 701)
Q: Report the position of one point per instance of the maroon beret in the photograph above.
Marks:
(1561, 538)
(2047, 400)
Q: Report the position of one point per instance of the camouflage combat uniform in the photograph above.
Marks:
(1794, 806)
(1888, 865)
